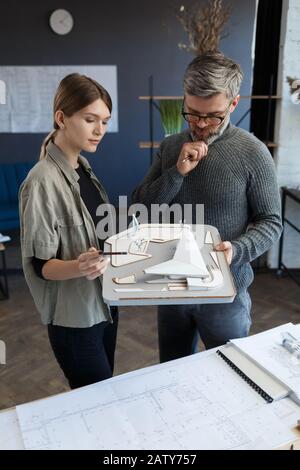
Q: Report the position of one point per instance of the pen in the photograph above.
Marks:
(194, 139)
(108, 253)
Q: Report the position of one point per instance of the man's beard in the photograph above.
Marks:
(213, 134)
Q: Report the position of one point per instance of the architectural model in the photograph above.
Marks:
(185, 270)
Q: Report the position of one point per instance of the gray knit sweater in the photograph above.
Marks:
(237, 184)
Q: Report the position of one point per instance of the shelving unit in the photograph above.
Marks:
(151, 144)
(293, 194)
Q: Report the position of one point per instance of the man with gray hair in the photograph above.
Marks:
(232, 174)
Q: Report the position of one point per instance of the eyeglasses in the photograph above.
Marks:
(209, 120)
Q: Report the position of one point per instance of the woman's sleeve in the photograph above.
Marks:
(39, 227)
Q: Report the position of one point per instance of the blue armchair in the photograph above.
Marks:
(11, 177)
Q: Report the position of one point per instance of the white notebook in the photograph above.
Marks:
(267, 352)
(262, 382)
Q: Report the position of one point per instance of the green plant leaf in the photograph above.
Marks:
(170, 113)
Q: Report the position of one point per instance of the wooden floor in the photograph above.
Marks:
(31, 371)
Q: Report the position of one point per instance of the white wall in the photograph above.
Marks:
(287, 128)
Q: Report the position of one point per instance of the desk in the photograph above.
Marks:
(196, 402)
(4, 285)
(293, 194)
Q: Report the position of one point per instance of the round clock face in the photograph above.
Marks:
(61, 21)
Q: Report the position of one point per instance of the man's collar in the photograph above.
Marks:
(213, 138)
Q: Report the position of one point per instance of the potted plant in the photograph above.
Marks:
(170, 113)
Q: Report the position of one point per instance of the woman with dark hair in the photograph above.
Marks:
(61, 253)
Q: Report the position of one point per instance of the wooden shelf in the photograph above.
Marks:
(161, 97)
(149, 145)
(252, 97)
(262, 97)
(155, 145)
(271, 144)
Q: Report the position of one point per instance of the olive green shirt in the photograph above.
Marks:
(55, 223)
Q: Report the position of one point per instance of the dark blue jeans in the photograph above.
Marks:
(179, 325)
(85, 355)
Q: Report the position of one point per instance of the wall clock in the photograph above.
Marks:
(61, 21)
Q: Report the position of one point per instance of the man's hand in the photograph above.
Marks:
(91, 264)
(190, 155)
(226, 247)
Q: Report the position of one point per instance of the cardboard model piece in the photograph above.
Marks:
(186, 266)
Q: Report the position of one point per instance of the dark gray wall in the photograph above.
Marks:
(138, 36)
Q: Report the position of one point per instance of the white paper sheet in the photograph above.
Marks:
(30, 92)
(10, 433)
(194, 403)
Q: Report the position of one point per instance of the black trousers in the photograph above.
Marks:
(85, 355)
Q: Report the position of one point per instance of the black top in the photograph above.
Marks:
(89, 193)
(91, 198)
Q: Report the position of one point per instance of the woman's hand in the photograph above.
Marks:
(91, 264)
